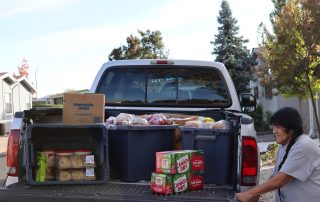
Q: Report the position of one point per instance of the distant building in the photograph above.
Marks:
(268, 97)
(56, 99)
(16, 94)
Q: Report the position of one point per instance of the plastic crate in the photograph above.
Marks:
(133, 150)
(41, 137)
(217, 147)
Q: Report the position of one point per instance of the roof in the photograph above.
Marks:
(17, 79)
(6, 75)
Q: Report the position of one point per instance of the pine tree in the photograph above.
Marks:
(230, 50)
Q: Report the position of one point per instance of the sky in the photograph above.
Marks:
(67, 41)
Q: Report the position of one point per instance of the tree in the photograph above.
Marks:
(293, 49)
(148, 46)
(230, 50)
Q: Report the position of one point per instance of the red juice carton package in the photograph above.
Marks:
(161, 183)
(196, 180)
(172, 162)
(197, 160)
(180, 182)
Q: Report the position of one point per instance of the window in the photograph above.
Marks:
(165, 85)
(8, 102)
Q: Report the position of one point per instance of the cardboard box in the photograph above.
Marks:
(83, 108)
(180, 161)
(161, 183)
(172, 162)
(175, 183)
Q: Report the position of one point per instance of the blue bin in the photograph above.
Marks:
(217, 147)
(133, 149)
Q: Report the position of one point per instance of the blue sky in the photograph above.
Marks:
(67, 41)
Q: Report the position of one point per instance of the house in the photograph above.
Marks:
(269, 99)
(15, 95)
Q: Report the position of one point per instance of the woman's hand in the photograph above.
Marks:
(247, 197)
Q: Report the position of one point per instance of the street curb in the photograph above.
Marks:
(3, 154)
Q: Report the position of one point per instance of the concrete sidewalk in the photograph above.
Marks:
(266, 137)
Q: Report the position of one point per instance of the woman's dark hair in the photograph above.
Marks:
(290, 119)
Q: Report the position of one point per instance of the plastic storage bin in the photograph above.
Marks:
(41, 137)
(133, 150)
(217, 147)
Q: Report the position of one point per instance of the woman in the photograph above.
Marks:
(296, 176)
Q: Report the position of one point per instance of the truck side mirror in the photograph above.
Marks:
(248, 102)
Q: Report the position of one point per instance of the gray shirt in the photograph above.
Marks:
(302, 163)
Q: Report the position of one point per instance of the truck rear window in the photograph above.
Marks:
(164, 86)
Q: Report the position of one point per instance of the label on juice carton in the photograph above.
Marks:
(161, 183)
(197, 160)
(164, 162)
(182, 161)
(180, 182)
(196, 180)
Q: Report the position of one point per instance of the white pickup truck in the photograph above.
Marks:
(186, 87)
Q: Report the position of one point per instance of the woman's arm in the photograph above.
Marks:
(275, 182)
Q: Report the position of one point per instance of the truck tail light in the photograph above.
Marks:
(249, 161)
(12, 152)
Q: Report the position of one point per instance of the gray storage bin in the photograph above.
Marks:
(217, 147)
(133, 150)
(39, 137)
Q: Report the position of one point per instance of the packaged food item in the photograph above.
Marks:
(197, 160)
(161, 183)
(196, 180)
(77, 174)
(76, 161)
(50, 173)
(41, 167)
(50, 157)
(180, 182)
(64, 174)
(82, 158)
(222, 124)
(168, 184)
(89, 174)
(63, 159)
(172, 162)
(193, 124)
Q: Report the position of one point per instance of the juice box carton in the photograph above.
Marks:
(197, 160)
(175, 183)
(161, 183)
(172, 162)
(196, 180)
(181, 161)
(180, 182)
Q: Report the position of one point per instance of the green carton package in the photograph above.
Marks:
(181, 161)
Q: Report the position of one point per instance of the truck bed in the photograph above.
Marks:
(113, 191)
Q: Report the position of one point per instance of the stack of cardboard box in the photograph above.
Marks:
(178, 171)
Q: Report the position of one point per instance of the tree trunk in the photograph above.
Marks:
(312, 101)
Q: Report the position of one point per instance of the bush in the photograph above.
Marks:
(261, 122)
(269, 158)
